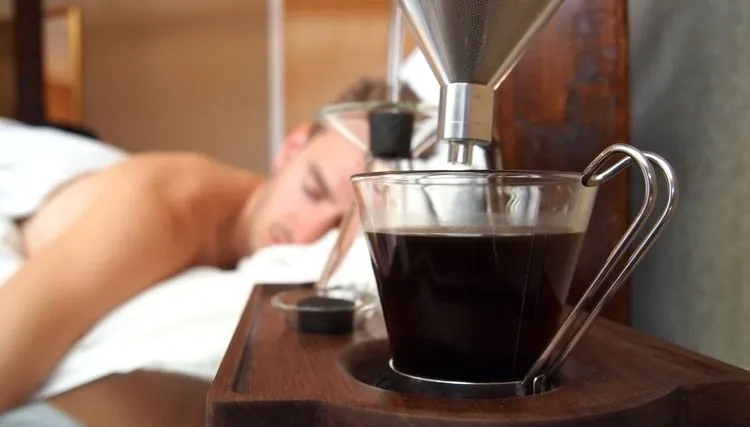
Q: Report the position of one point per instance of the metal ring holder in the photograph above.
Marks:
(544, 370)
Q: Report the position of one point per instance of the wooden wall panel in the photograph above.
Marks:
(178, 75)
(61, 102)
(563, 104)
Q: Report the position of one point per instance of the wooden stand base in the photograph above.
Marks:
(273, 376)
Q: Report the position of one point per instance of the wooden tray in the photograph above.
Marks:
(273, 376)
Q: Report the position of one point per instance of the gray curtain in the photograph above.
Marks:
(690, 86)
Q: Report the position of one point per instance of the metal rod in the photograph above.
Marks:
(395, 51)
(350, 224)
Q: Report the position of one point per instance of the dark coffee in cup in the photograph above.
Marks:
(474, 266)
(472, 306)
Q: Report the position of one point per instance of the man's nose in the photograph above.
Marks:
(298, 225)
(315, 226)
(290, 222)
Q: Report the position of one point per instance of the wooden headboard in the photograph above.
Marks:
(28, 61)
(27, 92)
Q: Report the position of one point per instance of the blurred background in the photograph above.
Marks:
(224, 77)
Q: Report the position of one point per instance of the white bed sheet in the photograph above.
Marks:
(183, 324)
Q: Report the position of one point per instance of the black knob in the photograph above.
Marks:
(325, 315)
(390, 134)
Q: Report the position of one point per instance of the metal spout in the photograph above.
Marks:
(471, 46)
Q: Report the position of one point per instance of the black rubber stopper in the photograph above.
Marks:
(324, 315)
(390, 134)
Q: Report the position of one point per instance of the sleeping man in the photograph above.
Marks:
(109, 234)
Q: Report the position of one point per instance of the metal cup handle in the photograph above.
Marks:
(596, 296)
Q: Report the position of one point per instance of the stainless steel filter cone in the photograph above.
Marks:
(472, 45)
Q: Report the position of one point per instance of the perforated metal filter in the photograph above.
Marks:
(475, 41)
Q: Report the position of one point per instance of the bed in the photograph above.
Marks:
(27, 52)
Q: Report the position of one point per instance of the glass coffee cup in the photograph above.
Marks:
(473, 269)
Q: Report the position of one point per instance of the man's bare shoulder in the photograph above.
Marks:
(173, 181)
(189, 174)
(173, 161)
(202, 189)
(205, 197)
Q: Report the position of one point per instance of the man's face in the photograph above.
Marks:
(308, 194)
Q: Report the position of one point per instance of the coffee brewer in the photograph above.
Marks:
(473, 271)
(511, 255)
